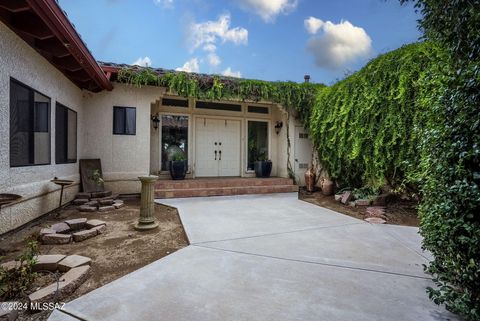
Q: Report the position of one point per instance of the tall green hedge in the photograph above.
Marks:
(367, 127)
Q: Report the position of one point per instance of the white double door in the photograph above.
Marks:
(217, 151)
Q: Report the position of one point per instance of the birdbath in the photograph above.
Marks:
(147, 206)
(62, 183)
(8, 198)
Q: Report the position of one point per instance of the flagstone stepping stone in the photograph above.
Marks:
(86, 208)
(106, 202)
(106, 208)
(60, 227)
(73, 261)
(83, 235)
(100, 229)
(94, 223)
(44, 231)
(80, 201)
(375, 220)
(118, 204)
(48, 262)
(76, 223)
(56, 238)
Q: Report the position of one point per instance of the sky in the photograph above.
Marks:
(258, 39)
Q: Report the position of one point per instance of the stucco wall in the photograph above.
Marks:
(123, 157)
(20, 61)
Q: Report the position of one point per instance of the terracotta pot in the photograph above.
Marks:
(310, 177)
(327, 187)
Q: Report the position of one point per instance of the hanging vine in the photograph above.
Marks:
(290, 95)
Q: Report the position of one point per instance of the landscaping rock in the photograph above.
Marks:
(10, 265)
(80, 201)
(347, 197)
(375, 220)
(76, 223)
(56, 238)
(352, 204)
(68, 283)
(364, 202)
(338, 197)
(106, 202)
(60, 227)
(48, 262)
(86, 208)
(44, 231)
(92, 203)
(7, 314)
(101, 194)
(106, 208)
(100, 229)
(94, 223)
(83, 195)
(83, 235)
(73, 261)
(376, 211)
(118, 204)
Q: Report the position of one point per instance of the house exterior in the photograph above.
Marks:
(59, 105)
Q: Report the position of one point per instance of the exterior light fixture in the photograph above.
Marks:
(155, 120)
(278, 127)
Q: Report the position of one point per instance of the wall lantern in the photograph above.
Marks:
(278, 127)
(155, 121)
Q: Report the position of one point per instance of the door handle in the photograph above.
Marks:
(220, 155)
(215, 155)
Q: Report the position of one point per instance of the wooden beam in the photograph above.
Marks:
(15, 5)
(31, 24)
(52, 46)
(68, 63)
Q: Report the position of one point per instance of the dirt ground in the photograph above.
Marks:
(398, 212)
(115, 253)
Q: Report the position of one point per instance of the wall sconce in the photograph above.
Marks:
(278, 127)
(155, 120)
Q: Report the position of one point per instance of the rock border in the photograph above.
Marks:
(97, 201)
(77, 230)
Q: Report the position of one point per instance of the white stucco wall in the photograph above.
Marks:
(20, 61)
(123, 157)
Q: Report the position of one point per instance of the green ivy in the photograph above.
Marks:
(290, 95)
(367, 127)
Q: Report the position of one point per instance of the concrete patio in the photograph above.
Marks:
(272, 257)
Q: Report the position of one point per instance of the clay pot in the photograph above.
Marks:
(327, 186)
(310, 177)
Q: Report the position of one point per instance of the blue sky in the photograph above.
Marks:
(260, 39)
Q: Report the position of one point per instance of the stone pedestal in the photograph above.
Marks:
(147, 205)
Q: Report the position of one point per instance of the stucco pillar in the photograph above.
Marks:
(147, 205)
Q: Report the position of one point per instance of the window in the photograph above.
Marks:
(218, 106)
(258, 109)
(257, 142)
(65, 135)
(174, 138)
(124, 120)
(29, 126)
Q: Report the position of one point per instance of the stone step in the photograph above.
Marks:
(220, 183)
(224, 191)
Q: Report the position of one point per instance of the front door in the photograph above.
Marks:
(217, 147)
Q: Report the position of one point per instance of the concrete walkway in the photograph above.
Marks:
(272, 257)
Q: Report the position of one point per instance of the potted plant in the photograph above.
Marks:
(178, 166)
(263, 166)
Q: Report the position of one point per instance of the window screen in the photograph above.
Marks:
(124, 120)
(65, 135)
(29, 126)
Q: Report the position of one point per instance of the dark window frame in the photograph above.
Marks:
(31, 101)
(174, 102)
(208, 105)
(123, 132)
(67, 161)
(258, 110)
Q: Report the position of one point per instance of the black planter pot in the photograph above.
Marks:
(263, 168)
(178, 169)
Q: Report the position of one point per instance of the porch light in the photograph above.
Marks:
(155, 121)
(278, 127)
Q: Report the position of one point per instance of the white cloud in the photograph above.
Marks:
(312, 24)
(210, 47)
(337, 44)
(230, 73)
(167, 4)
(208, 33)
(268, 10)
(144, 62)
(213, 59)
(191, 65)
